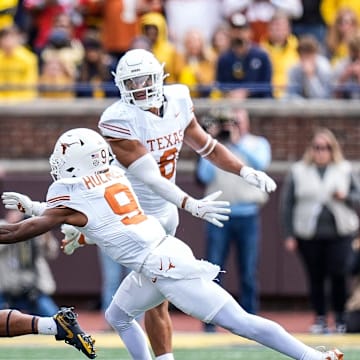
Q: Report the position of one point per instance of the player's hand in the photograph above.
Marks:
(258, 179)
(16, 201)
(209, 209)
(73, 239)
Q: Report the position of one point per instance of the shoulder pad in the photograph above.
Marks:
(176, 91)
(119, 111)
(58, 193)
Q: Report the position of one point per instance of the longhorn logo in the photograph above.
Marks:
(65, 146)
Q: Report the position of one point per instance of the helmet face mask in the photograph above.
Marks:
(139, 77)
(79, 152)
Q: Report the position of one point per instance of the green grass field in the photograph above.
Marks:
(187, 347)
(242, 352)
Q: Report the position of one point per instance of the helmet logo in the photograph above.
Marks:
(64, 146)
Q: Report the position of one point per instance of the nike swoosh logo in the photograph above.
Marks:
(70, 334)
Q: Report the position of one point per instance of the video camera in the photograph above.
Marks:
(217, 124)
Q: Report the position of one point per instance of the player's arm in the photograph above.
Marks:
(22, 203)
(29, 228)
(73, 238)
(135, 157)
(207, 147)
(127, 151)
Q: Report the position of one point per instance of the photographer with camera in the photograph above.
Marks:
(243, 227)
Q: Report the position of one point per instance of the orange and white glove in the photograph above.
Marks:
(73, 239)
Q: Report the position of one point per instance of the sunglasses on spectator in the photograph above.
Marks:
(318, 147)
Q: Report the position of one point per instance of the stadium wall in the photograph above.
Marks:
(29, 130)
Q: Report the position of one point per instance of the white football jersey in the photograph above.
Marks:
(116, 222)
(161, 135)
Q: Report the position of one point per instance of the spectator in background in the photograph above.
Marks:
(181, 16)
(8, 10)
(243, 228)
(317, 211)
(119, 26)
(198, 72)
(63, 45)
(18, 67)
(154, 27)
(220, 40)
(310, 22)
(281, 45)
(42, 14)
(26, 281)
(329, 9)
(146, 6)
(347, 72)
(260, 12)
(94, 75)
(55, 81)
(245, 70)
(353, 303)
(22, 18)
(310, 78)
(339, 34)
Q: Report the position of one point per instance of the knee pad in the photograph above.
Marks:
(118, 318)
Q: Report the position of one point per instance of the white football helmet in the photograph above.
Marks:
(139, 77)
(79, 152)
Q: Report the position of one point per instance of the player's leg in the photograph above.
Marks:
(135, 295)
(63, 325)
(159, 330)
(129, 331)
(15, 323)
(209, 302)
(266, 332)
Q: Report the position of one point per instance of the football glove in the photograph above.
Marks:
(209, 209)
(17, 201)
(258, 179)
(73, 239)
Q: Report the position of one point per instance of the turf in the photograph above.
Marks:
(242, 352)
(187, 346)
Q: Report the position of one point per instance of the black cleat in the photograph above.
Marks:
(69, 330)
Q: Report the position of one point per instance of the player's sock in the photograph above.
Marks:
(168, 356)
(47, 326)
(135, 341)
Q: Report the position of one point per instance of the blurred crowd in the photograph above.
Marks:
(219, 48)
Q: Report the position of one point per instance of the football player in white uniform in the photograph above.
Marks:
(99, 201)
(146, 129)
